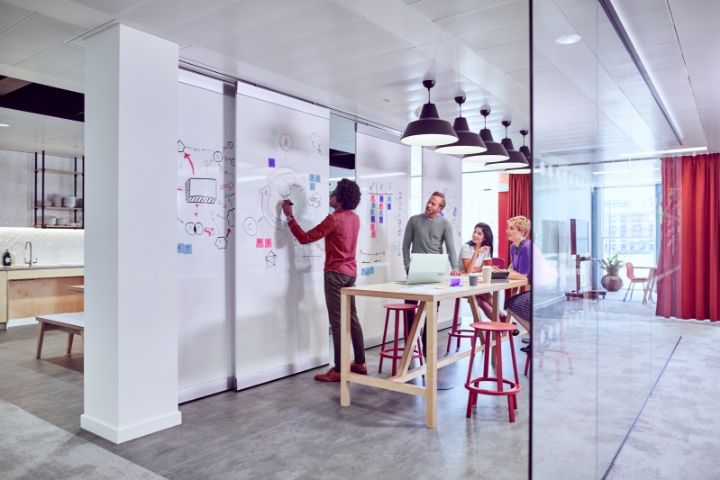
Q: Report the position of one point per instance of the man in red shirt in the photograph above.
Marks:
(340, 231)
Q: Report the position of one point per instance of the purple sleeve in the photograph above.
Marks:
(521, 262)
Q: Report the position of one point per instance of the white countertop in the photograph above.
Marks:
(42, 266)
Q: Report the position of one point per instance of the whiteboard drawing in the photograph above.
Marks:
(284, 183)
(200, 190)
(250, 226)
(315, 200)
(316, 141)
(270, 259)
(194, 228)
(221, 243)
(218, 156)
(231, 217)
(180, 146)
(286, 142)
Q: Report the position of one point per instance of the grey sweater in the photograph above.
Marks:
(427, 236)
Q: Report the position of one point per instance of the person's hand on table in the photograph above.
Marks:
(455, 273)
(495, 269)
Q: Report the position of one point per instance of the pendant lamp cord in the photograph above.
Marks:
(428, 95)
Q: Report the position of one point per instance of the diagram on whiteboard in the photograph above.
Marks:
(451, 209)
(284, 183)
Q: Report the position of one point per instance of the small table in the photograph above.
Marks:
(428, 296)
(650, 285)
(76, 288)
(72, 323)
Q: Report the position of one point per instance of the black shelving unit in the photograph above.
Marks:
(40, 171)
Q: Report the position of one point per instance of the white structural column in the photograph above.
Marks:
(131, 351)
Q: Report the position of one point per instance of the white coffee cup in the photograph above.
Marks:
(473, 279)
(487, 274)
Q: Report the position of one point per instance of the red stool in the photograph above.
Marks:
(456, 332)
(396, 352)
(473, 384)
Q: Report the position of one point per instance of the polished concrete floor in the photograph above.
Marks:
(295, 428)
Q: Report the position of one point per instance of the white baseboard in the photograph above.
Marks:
(131, 432)
(17, 322)
(210, 388)
(269, 375)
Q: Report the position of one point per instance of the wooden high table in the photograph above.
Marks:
(428, 297)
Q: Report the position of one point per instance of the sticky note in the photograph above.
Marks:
(381, 213)
(271, 162)
(372, 198)
(318, 178)
(268, 243)
(381, 206)
(188, 249)
(372, 211)
(381, 219)
(388, 200)
(372, 270)
(181, 247)
(259, 243)
(389, 207)
(312, 187)
(373, 234)
(372, 218)
(381, 198)
(372, 205)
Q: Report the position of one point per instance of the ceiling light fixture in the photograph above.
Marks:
(495, 152)
(4, 125)
(429, 130)
(517, 159)
(662, 152)
(610, 172)
(568, 39)
(468, 142)
(525, 150)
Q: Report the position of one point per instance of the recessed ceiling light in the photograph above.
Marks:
(4, 125)
(568, 39)
(386, 99)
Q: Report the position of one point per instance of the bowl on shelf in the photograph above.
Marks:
(63, 221)
(57, 200)
(50, 221)
(69, 202)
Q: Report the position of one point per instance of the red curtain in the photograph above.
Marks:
(519, 189)
(689, 266)
(501, 235)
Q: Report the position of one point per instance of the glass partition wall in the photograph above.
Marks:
(596, 354)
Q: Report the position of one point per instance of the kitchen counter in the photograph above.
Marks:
(39, 290)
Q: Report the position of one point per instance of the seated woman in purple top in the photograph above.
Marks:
(517, 233)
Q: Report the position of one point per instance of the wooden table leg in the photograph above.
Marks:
(431, 377)
(345, 330)
(475, 310)
(41, 336)
(69, 343)
(412, 339)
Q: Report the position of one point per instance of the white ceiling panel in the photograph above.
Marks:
(503, 14)
(329, 39)
(586, 15)
(639, 7)
(350, 53)
(663, 50)
(655, 64)
(14, 118)
(493, 37)
(55, 60)
(648, 21)
(111, 7)
(77, 74)
(522, 77)
(305, 22)
(160, 15)
(234, 18)
(10, 15)
(437, 10)
(647, 38)
(32, 36)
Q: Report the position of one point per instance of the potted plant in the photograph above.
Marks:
(612, 266)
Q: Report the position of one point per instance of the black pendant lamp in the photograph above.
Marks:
(525, 150)
(429, 130)
(495, 152)
(468, 142)
(517, 159)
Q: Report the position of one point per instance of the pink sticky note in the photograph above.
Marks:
(372, 198)
(372, 234)
(268, 243)
(259, 243)
(381, 206)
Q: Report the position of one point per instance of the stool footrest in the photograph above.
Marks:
(474, 386)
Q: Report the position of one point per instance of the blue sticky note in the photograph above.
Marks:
(389, 199)
(372, 205)
(372, 219)
(389, 206)
(381, 198)
(188, 249)
(372, 270)
(181, 247)
(372, 211)
(381, 219)
(271, 162)
(312, 186)
(317, 178)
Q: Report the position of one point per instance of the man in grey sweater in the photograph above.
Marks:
(426, 233)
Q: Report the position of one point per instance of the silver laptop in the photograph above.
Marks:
(426, 268)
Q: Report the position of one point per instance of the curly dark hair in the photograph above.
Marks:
(347, 194)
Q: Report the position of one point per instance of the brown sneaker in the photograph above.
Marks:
(330, 376)
(358, 368)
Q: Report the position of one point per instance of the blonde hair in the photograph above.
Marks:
(438, 194)
(521, 223)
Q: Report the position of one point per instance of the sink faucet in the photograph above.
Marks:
(29, 263)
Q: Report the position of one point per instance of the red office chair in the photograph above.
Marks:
(633, 279)
(499, 263)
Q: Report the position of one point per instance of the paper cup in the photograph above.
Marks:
(487, 274)
(473, 277)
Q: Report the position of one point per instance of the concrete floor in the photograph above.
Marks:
(295, 428)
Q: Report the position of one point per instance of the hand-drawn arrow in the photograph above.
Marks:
(187, 156)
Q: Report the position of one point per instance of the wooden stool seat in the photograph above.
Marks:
(495, 329)
(72, 323)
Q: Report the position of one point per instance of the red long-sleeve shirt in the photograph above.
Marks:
(340, 231)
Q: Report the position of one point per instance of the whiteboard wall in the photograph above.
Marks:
(281, 323)
(443, 173)
(382, 170)
(206, 178)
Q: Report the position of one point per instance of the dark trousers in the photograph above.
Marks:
(333, 283)
(411, 321)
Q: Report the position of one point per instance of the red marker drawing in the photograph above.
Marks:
(187, 156)
(209, 231)
(228, 233)
(180, 189)
(227, 185)
(196, 209)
